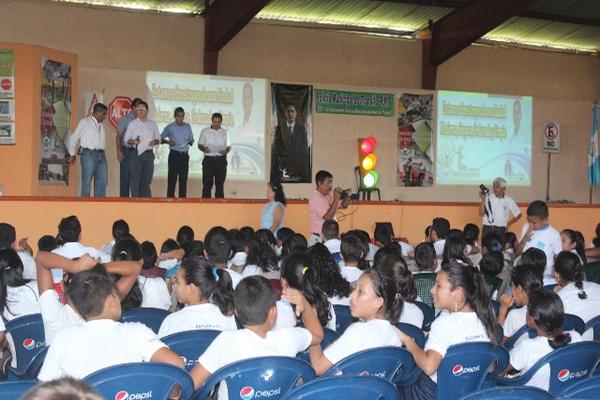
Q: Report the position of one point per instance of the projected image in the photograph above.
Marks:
(240, 100)
(482, 136)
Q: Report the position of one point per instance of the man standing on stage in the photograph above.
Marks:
(213, 143)
(92, 141)
(142, 133)
(124, 151)
(496, 208)
(180, 138)
(322, 205)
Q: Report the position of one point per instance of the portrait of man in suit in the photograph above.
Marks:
(290, 158)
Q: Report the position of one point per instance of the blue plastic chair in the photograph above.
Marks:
(328, 338)
(272, 377)
(586, 389)
(571, 323)
(345, 387)
(415, 333)
(15, 389)
(29, 337)
(151, 317)
(428, 315)
(510, 393)
(389, 362)
(524, 330)
(465, 367)
(146, 380)
(568, 365)
(594, 324)
(343, 318)
(190, 344)
(495, 307)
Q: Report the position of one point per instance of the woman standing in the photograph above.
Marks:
(273, 214)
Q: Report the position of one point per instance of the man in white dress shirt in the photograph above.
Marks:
(92, 142)
(213, 143)
(144, 134)
(499, 210)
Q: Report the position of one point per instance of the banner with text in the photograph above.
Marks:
(357, 103)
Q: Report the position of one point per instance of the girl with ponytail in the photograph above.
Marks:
(377, 305)
(545, 315)
(208, 294)
(574, 242)
(461, 291)
(581, 298)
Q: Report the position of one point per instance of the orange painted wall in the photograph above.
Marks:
(23, 157)
(158, 219)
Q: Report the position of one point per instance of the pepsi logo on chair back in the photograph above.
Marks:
(30, 344)
(248, 393)
(124, 395)
(564, 374)
(459, 370)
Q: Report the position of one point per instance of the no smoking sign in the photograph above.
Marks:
(551, 139)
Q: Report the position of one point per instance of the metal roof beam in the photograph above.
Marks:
(223, 19)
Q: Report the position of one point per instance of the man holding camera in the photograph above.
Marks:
(322, 205)
(496, 208)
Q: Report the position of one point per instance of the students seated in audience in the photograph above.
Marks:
(298, 273)
(510, 244)
(471, 232)
(492, 267)
(330, 279)
(261, 260)
(128, 249)
(18, 296)
(282, 234)
(57, 315)
(538, 233)
(254, 301)
(238, 250)
(120, 228)
(171, 255)
(462, 292)
(155, 293)
(8, 240)
(217, 249)
(330, 235)
(248, 232)
(439, 230)
(425, 257)
(389, 250)
(581, 298)
(266, 236)
(455, 249)
(353, 253)
(185, 234)
(525, 279)
(366, 239)
(545, 315)
(208, 295)
(574, 242)
(296, 243)
(62, 389)
(384, 235)
(101, 341)
(47, 243)
(405, 287)
(376, 304)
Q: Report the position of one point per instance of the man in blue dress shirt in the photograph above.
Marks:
(180, 137)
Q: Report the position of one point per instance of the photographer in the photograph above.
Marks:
(496, 208)
(322, 205)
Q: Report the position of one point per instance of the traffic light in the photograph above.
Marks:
(369, 177)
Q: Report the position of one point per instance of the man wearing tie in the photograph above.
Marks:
(144, 134)
(180, 138)
(290, 161)
(92, 142)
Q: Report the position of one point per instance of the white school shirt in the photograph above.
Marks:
(286, 318)
(155, 293)
(412, 314)
(500, 210)
(406, 248)
(56, 315)
(29, 265)
(530, 351)
(215, 140)
(515, 319)
(546, 239)
(90, 135)
(333, 245)
(80, 350)
(438, 245)
(146, 130)
(585, 309)
(198, 316)
(232, 346)
(351, 274)
(21, 300)
(236, 277)
(360, 336)
(238, 259)
(454, 328)
(72, 250)
(107, 248)
(372, 250)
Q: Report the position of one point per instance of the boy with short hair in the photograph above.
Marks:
(330, 234)
(352, 251)
(439, 230)
(101, 341)
(538, 233)
(425, 257)
(255, 306)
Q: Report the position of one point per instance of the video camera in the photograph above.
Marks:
(483, 189)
